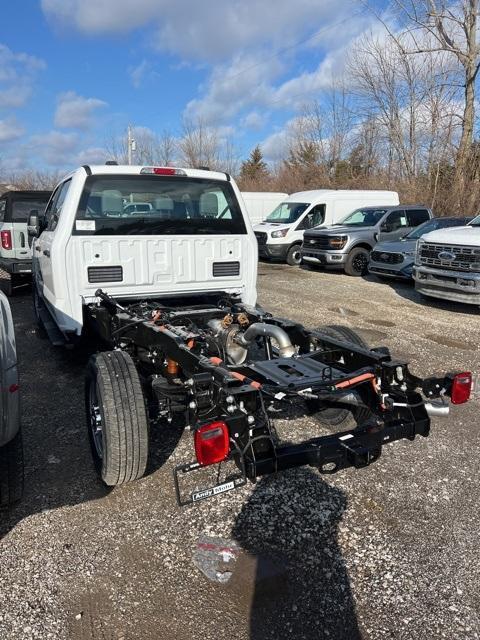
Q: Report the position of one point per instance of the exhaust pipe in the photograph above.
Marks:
(286, 350)
(438, 409)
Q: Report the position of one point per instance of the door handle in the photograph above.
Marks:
(37, 248)
(46, 253)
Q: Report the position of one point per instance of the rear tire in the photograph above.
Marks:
(357, 262)
(333, 416)
(116, 417)
(11, 471)
(294, 255)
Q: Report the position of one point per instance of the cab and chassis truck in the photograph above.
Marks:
(169, 296)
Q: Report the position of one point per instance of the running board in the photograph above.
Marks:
(55, 336)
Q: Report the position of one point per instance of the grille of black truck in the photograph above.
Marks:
(452, 257)
(105, 274)
(261, 237)
(316, 242)
(386, 258)
(224, 269)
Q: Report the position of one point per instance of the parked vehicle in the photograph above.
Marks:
(137, 207)
(447, 264)
(180, 334)
(15, 252)
(280, 236)
(260, 204)
(395, 259)
(347, 245)
(11, 451)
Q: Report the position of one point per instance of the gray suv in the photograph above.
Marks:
(347, 245)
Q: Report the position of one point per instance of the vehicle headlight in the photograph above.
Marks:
(281, 233)
(337, 242)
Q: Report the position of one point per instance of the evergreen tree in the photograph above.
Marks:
(254, 169)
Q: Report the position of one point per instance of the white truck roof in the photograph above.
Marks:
(125, 169)
(315, 194)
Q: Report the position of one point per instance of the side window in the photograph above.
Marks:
(395, 220)
(3, 206)
(417, 216)
(313, 218)
(54, 208)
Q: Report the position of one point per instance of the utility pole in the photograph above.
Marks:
(131, 145)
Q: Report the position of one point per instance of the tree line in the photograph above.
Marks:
(402, 116)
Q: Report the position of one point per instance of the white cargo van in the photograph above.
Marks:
(260, 204)
(280, 236)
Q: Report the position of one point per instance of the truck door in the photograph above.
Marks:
(394, 226)
(43, 244)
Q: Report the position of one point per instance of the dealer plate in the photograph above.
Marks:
(212, 491)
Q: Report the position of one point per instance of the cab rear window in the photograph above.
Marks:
(157, 205)
(21, 208)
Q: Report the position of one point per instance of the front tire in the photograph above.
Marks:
(116, 417)
(11, 472)
(294, 255)
(357, 262)
(339, 416)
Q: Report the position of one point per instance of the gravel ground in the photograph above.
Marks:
(387, 552)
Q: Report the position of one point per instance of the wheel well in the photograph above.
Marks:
(362, 245)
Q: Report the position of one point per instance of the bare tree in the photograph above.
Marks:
(199, 144)
(452, 27)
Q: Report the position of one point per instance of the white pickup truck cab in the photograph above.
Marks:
(447, 264)
(280, 236)
(196, 238)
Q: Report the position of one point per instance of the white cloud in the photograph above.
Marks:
(195, 30)
(56, 148)
(10, 130)
(137, 73)
(75, 112)
(92, 155)
(254, 120)
(17, 74)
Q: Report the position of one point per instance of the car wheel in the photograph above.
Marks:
(11, 471)
(294, 255)
(340, 416)
(116, 417)
(357, 262)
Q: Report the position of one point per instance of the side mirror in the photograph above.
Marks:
(387, 227)
(33, 227)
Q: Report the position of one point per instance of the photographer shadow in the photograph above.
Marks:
(289, 529)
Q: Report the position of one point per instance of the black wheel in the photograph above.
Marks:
(357, 262)
(11, 471)
(116, 417)
(339, 416)
(294, 256)
(6, 282)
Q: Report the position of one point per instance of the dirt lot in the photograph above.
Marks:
(387, 552)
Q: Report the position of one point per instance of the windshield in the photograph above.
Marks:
(433, 225)
(475, 222)
(157, 205)
(287, 212)
(363, 218)
(21, 208)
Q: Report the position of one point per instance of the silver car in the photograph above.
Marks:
(396, 259)
(11, 450)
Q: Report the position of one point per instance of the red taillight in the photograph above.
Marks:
(211, 443)
(461, 387)
(6, 237)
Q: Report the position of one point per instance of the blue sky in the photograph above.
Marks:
(74, 73)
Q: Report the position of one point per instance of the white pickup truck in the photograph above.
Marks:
(169, 293)
(447, 264)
